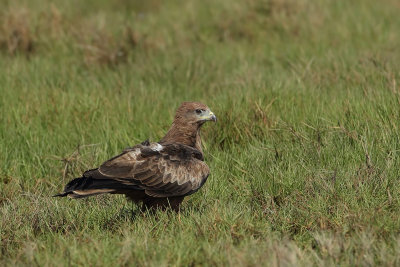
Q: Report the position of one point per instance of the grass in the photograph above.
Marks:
(304, 158)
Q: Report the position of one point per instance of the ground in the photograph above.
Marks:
(304, 158)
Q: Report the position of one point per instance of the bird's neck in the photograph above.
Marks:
(186, 134)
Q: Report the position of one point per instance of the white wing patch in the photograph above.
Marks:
(133, 154)
(156, 146)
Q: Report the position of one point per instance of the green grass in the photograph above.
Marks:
(304, 158)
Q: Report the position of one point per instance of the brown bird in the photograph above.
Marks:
(158, 174)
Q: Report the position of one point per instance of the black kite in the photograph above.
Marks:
(157, 174)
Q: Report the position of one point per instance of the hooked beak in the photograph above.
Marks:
(213, 117)
(209, 117)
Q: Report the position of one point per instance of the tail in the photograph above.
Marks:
(89, 186)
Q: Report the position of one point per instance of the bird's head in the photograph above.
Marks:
(194, 113)
(189, 118)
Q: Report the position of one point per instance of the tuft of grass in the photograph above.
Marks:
(105, 50)
(16, 33)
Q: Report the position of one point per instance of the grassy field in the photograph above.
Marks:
(304, 158)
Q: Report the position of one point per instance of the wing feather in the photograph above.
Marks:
(162, 171)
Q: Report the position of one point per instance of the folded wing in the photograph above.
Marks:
(160, 170)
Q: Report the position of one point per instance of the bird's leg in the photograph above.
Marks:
(175, 203)
(133, 214)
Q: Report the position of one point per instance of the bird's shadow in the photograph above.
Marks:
(127, 214)
(133, 212)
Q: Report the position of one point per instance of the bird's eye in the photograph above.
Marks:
(198, 111)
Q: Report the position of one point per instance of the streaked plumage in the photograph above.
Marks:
(157, 174)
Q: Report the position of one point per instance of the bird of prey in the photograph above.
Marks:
(158, 174)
